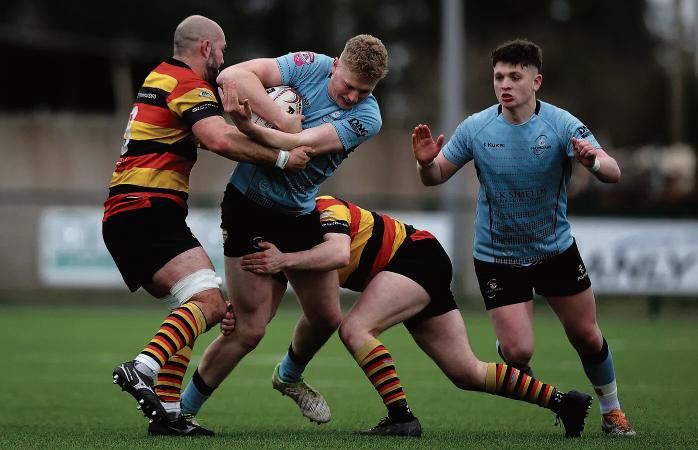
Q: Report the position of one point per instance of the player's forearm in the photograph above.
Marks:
(430, 173)
(238, 147)
(275, 138)
(609, 171)
(322, 257)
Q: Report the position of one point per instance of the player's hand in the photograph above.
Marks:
(298, 158)
(292, 123)
(425, 148)
(228, 322)
(239, 109)
(267, 262)
(584, 152)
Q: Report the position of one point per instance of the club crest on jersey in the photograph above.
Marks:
(301, 58)
(541, 145)
(492, 287)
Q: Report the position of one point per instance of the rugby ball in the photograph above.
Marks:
(287, 98)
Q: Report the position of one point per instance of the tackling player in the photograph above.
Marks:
(523, 150)
(404, 275)
(262, 203)
(144, 224)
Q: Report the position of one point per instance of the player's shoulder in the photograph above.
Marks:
(553, 113)
(478, 120)
(308, 59)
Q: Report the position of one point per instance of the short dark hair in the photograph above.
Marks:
(518, 52)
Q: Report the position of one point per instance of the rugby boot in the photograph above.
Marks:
(391, 427)
(572, 411)
(311, 402)
(140, 386)
(182, 425)
(615, 423)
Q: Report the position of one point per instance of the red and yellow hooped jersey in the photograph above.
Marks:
(159, 149)
(374, 237)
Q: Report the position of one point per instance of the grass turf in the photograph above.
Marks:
(57, 390)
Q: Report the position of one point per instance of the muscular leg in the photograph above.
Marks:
(255, 300)
(389, 299)
(445, 340)
(513, 325)
(577, 314)
(178, 331)
(318, 293)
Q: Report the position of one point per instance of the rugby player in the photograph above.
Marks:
(144, 225)
(523, 150)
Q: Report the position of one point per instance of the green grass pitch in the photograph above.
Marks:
(56, 387)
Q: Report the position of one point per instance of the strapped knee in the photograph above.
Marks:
(184, 289)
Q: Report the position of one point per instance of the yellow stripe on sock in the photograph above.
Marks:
(491, 378)
(365, 349)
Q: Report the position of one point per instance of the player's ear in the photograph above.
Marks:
(205, 48)
(537, 81)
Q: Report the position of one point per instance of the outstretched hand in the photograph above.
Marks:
(423, 145)
(584, 152)
(239, 110)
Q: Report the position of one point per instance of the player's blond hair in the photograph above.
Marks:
(366, 56)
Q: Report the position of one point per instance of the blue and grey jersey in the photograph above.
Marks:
(524, 171)
(295, 192)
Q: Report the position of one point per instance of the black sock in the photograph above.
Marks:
(201, 385)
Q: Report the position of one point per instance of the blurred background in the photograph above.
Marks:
(628, 70)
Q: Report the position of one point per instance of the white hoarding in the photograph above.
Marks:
(647, 257)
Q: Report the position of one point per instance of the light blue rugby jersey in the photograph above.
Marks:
(295, 192)
(524, 171)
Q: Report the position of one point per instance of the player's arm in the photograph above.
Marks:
(225, 140)
(604, 167)
(322, 138)
(432, 165)
(250, 79)
(331, 254)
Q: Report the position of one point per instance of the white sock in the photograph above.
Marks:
(147, 365)
(608, 397)
(172, 408)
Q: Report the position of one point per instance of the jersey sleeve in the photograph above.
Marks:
(298, 67)
(574, 127)
(193, 101)
(334, 216)
(458, 150)
(363, 122)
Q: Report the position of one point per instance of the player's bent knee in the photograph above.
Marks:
(329, 320)
(190, 285)
(517, 354)
(249, 338)
(351, 333)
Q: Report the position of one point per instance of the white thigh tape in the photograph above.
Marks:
(192, 284)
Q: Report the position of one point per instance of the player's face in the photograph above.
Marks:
(347, 88)
(215, 60)
(515, 85)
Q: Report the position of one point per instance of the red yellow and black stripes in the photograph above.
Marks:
(377, 363)
(374, 238)
(168, 385)
(159, 150)
(179, 329)
(507, 381)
